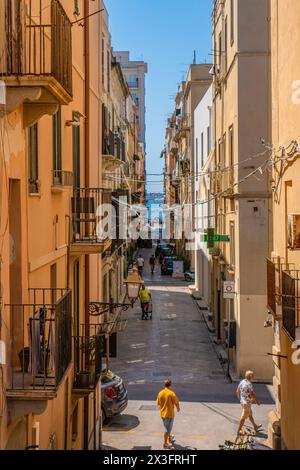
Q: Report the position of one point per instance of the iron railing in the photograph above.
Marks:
(108, 142)
(88, 351)
(290, 302)
(275, 268)
(38, 41)
(86, 215)
(63, 178)
(41, 345)
(271, 286)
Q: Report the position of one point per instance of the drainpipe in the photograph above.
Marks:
(86, 185)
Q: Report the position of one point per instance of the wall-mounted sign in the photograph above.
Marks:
(228, 289)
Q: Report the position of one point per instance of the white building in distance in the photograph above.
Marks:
(134, 72)
(204, 210)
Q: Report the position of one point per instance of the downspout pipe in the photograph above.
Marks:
(86, 185)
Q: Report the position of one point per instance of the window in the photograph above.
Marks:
(224, 151)
(232, 21)
(225, 45)
(232, 244)
(231, 146)
(220, 51)
(294, 231)
(33, 159)
(108, 71)
(76, 154)
(197, 159)
(208, 140)
(57, 148)
(103, 61)
(202, 149)
(76, 8)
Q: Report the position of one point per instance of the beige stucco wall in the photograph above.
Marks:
(245, 104)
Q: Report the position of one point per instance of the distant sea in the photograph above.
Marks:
(155, 214)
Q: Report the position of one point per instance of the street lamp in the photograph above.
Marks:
(133, 284)
(97, 309)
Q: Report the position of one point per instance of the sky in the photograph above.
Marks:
(163, 33)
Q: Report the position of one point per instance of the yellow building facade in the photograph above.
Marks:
(284, 263)
(51, 251)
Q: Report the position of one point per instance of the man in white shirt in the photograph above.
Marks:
(246, 395)
(140, 264)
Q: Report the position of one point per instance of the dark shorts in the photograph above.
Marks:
(168, 424)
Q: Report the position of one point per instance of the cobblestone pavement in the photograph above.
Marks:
(176, 345)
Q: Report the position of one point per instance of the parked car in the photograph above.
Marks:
(114, 397)
(167, 266)
(189, 276)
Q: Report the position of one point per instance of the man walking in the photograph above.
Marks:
(152, 262)
(145, 298)
(246, 395)
(167, 401)
(140, 264)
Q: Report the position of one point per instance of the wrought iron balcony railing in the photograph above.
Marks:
(275, 268)
(41, 341)
(88, 351)
(62, 178)
(88, 234)
(37, 44)
(291, 303)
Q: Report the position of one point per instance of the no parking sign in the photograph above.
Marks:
(229, 289)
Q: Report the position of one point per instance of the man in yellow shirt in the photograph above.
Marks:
(167, 400)
(145, 298)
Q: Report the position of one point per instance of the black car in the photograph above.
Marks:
(167, 266)
(114, 398)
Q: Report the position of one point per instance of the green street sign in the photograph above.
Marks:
(211, 238)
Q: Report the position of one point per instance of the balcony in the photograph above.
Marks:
(88, 349)
(113, 156)
(40, 349)
(175, 178)
(186, 122)
(133, 84)
(275, 268)
(62, 180)
(227, 182)
(290, 304)
(37, 63)
(88, 236)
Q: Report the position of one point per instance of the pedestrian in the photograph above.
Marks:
(246, 395)
(140, 264)
(152, 262)
(167, 401)
(145, 298)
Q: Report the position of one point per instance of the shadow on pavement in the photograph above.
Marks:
(121, 423)
(195, 393)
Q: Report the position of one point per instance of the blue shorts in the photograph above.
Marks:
(168, 424)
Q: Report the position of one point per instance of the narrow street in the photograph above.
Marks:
(175, 345)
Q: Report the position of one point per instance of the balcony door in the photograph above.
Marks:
(57, 148)
(76, 153)
(76, 293)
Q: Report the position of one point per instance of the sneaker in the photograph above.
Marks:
(172, 438)
(168, 446)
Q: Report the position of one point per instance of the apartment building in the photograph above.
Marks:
(180, 151)
(135, 73)
(284, 263)
(204, 204)
(54, 87)
(242, 113)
